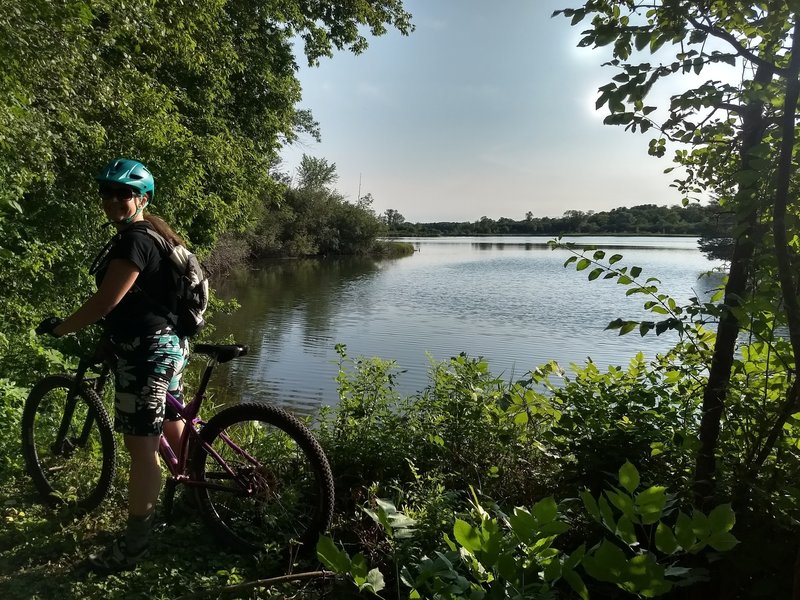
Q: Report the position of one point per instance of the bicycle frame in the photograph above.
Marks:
(176, 463)
(189, 414)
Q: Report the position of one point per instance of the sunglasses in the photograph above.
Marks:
(117, 194)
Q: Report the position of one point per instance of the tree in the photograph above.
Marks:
(204, 93)
(393, 218)
(316, 174)
(739, 142)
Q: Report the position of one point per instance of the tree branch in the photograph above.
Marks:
(235, 590)
(740, 50)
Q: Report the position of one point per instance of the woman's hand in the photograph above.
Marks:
(48, 325)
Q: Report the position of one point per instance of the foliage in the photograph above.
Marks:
(647, 219)
(204, 93)
(515, 555)
(734, 141)
(314, 219)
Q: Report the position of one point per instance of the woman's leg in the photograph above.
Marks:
(144, 481)
(173, 430)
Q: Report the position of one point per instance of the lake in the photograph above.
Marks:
(508, 299)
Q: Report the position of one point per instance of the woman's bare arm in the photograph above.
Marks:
(118, 280)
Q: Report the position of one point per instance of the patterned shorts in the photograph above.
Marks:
(147, 367)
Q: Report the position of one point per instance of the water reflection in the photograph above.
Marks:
(509, 300)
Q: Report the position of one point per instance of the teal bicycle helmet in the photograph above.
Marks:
(132, 173)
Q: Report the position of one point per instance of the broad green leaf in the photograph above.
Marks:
(624, 503)
(582, 264)
(683, 531)
(721, 519)
(700, 525)
(333, 558)
(591, 505)
(576, 583)
(607, 563)
(546, 510)
(552, 571)
(629, 477)
(523, 524)
(625, 531)
(614, 259)
(468, 536)
(507, 566)
(650, 504)
(595, 273)
(574, 559)
(665, 539)
(722, 541)
(375, 582)
(607, 513)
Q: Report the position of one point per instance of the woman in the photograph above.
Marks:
(134, 288)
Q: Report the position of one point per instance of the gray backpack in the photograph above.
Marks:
(191, 287)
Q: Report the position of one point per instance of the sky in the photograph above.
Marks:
(486, 109)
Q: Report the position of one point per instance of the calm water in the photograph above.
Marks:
(508, 299)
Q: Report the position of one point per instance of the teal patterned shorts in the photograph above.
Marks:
(147, 367)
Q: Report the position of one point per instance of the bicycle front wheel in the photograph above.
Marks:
(68, 443)
(266, 483)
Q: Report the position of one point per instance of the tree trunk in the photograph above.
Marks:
(785, 275)
(746, 204)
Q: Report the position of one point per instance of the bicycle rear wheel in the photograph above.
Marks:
(68, 443)
(272, 488)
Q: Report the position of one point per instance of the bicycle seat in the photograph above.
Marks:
(221, 352)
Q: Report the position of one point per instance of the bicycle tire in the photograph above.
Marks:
(78, 472)
(283, 496)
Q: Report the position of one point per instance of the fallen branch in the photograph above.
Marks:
(234, 590)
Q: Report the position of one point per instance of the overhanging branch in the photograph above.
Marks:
(740, 50)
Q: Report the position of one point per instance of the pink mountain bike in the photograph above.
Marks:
(259, 476)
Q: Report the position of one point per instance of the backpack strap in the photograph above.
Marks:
(165, 249)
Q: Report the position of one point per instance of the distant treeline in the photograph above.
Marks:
(693, 219)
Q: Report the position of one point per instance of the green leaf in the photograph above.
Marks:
(665, 539)
(629, 477)
(607, 513)
(599, 255)
(546, 510)
(467, 535)
(552, 571)
(627, 327)
(330, 556)
(635, 272)
(607, 563)
(576, 583)
(641, 40)
(625, 531)
(595, 273)
(591, 505)
(683, 531)
(582, 264)
(650, 504)
(700, 525)
(375, 582)
(723, 541)
(574, 559)
(721, 519)
(614, 259)
(623, 502)
(523, 524)
(570, 260)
